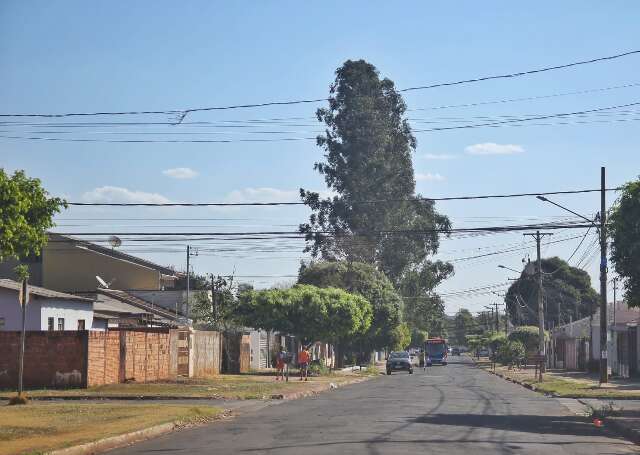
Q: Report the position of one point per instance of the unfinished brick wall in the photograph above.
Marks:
(51, 359)
(147, 355)
(103, 366)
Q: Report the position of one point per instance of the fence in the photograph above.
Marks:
(86, 359)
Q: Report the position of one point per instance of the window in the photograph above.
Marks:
(81, 324)
(50, 324)
(60, 323)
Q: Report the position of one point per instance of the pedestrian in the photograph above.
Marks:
(303, 363)
(280, 364)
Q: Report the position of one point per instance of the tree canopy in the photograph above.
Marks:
(463, 324)
(26, 212)
(567, 291)
(367, 281)
(368, 145)
(308, 312)
(624, 230)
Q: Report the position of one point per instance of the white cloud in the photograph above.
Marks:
(429, 177)
(491, 148)
(113, 194)
(263, 194)
(439, 156)
(180, 173)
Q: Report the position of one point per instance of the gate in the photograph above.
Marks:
(183, 353)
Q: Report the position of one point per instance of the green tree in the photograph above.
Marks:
(307, 312)
(26, 213)
(423, 307)
(567, 292)
(528, 335)
(463, 324)
(373, 285)
(402, 337)
(368, 145)
(418, 337)
(624, 230)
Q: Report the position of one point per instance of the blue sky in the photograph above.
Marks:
(114, 56)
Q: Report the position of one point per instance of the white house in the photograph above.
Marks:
(47, 309)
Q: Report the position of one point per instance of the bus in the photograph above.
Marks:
(436, 351)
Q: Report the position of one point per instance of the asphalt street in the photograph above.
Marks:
(453, 409)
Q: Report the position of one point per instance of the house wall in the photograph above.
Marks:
(168, 299)
(7, 270)
(11, 311)
(51, 359)
(71, 310)
(67, 267)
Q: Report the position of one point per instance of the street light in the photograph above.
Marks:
(602, 218)
(508, 268)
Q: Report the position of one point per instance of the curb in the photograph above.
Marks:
(115, 442)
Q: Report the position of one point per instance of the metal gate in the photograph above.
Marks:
(183, 353)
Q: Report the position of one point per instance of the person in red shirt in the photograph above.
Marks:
(304, 357)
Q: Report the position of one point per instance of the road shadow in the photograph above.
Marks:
(560, 425)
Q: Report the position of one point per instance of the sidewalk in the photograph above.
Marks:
(617, 403)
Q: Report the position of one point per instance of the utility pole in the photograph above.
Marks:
(24, 300)
(603, 279)
(538, 236)
(188, 273)
(615, 289)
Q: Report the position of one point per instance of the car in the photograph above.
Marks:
(455, 351)
(399, 361)
(484, 352)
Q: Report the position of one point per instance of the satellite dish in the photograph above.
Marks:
(115, 241)
(102, 283)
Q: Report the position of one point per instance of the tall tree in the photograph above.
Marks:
(373, 285)
(567, 292)
(624, 226)
(368, 145)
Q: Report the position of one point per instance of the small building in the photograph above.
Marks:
(46, 310)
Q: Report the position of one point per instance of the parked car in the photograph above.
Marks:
(399, 361)
(483, 352)
(455, 351)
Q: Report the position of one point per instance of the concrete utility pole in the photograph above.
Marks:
(24, 300)
(604, 377)
(188, 273)
(538, 236)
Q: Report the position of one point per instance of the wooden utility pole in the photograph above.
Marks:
(603, 279)
(541, 348)
(188, 273)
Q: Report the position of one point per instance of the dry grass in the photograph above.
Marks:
(36, 428)
(244, 386)
(561, 385)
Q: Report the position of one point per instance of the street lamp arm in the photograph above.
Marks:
(544, 199)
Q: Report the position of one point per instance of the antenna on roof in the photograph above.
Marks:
(115, 241)
(103, 284)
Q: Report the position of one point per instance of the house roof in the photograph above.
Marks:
(169, 272)
(41, 292)
(124, 302)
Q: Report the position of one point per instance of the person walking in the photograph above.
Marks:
(280, 364)
(304, 357)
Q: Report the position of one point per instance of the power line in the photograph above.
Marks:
(182, 113)
(260, 204)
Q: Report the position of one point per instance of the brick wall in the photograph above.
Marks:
(103, 358)
(51, 359)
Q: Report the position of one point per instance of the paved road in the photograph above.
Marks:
(456, 409)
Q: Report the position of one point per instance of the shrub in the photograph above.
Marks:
(511, 352)
(528, 336)
(495, 341)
